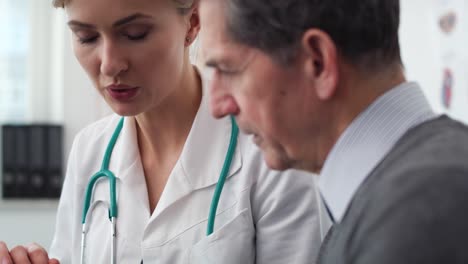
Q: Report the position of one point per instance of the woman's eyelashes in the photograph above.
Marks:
(85, 36)
(136, 32)
(87, 40)
(137, 36)
(130, 34)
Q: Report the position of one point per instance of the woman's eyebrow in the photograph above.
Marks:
(118, 23)
(129, 19)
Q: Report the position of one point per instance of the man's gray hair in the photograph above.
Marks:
(364, 31)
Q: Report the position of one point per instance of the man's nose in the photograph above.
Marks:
(112, 60)
(222, 102)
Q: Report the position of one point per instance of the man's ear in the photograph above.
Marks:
(321, 63)
(193, 24)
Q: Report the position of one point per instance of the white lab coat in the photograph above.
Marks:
(263, 216)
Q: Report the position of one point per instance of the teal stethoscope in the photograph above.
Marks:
(106, 173)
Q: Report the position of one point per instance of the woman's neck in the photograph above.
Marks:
(163, 131)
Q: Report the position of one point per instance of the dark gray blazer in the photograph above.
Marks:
(413, 207)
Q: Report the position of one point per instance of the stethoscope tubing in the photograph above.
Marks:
(106, 173)
(113, 209)
(222, 177)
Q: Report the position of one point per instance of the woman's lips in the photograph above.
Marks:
(122, 93)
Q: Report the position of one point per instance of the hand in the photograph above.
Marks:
(30, 254)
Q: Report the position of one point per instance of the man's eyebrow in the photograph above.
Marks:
(118, 23)
(211, 63)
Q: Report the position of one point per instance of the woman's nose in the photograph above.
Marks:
(113, 61)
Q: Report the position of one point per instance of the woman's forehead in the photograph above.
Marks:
(115, 9)
(177, 3)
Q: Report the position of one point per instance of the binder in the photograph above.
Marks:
(21, 171)
(15, 155)
(37, 162)
(9, 161)
(32, 161)
(54, 161)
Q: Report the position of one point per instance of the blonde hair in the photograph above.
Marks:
(59, 3)
(183, 5)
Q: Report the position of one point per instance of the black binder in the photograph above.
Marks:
(9, 161)
(54, 161)
(21, 187)
(32, 161)
(37, 162)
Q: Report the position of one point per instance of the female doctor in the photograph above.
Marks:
(169, 154)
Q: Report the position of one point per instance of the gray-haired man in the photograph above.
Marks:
(320, 86)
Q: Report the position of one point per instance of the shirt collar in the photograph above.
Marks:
(367, 140)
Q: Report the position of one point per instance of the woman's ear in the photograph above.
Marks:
(321, 63)
(193, 25)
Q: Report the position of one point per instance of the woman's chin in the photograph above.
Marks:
(125, 111)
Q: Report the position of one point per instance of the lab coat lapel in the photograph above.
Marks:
(202, 158)
(126, 161)
(207, 147)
